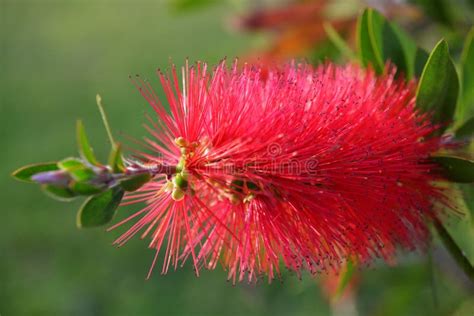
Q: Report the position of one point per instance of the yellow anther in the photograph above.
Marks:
(181, 142)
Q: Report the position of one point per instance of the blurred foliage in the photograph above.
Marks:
(56, 56)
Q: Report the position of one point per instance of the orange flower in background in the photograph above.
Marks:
(298, 28)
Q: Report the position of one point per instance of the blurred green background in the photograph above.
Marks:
(55, 57)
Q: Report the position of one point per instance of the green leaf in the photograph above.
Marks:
(189, 5)
(116, 160)
(98, 210)
(456, 252)
(380, 41)
(415, 57)
(385, 42)
(466, 130)
(58, 193)
(135, 182)
(466, 106)
(77, 169)
(69, 164)
(98, 100)
(338, 41)
(85, 149)
(82, 188)
(25, 173)
(456, 169)
(439, 85)
(408, 49)
(365, 49)
(344, 278)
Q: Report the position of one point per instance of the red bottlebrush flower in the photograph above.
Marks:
(301, 166)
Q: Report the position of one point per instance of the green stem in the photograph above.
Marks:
(98, 99)
(456, 252)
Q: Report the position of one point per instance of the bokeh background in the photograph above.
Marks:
(56, 55)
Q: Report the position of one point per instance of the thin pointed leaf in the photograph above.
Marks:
(456, 169)
(135, 182)
(456, 252)
(98, 210)
(25, 173)
(344, 279)
(439, 85)
(98, 100)
(338, 41)
(85, 148)
(116, 160)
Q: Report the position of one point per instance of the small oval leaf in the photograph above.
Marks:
(82, 188)
(135, 182)
(69, 164)
(77, 169)
(98, 210)
(85, 148)
(338, 41)
(439, 86)
(456, 169)
(58, 193)
(25, 173)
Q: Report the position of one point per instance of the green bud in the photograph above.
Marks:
(180, 166)
(252, 186)
(180, 181)
(177, 194)
(237, 186)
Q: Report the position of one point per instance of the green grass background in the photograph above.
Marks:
(55, 56)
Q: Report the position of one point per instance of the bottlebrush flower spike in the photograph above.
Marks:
(302, 166)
